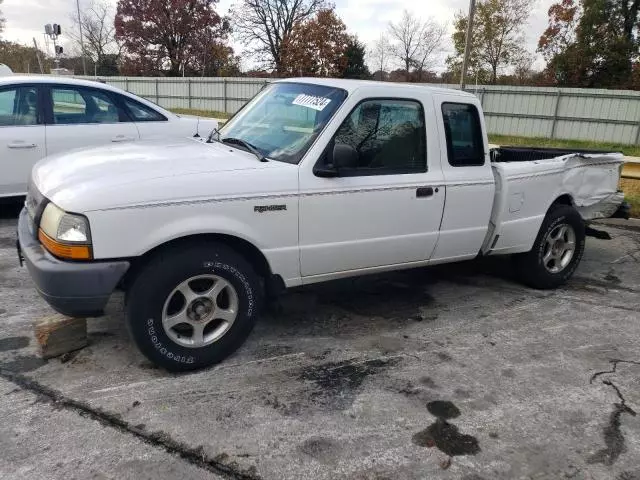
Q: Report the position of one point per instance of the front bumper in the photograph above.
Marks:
(71, 288)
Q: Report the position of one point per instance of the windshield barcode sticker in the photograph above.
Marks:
(309, 101)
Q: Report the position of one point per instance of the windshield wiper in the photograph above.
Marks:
(246, 145)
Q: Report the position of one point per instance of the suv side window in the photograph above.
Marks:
(388, 135)
(79, 105)
(142, 113)
(465, 145)
(18, 106)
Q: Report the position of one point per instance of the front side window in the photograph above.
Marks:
(465, 144)
(283, 120)
(76, 106)
(18, 106)
(142, 113)
(388, 136)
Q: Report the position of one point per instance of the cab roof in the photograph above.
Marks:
(351, 85)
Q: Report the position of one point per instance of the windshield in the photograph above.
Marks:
(283, 120)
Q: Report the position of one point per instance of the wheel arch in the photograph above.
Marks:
(564, 199)
(273, 282)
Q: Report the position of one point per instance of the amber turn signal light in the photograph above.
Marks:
(61, 250)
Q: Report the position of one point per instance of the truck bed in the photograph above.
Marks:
(529, 180)
(508, 154)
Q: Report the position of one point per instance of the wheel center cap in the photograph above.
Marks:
(200, 309)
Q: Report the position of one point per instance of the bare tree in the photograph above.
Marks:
(379, 55)
(501, 32)
(1, 20)
(414, 42)
(498, 36)
(523, 67)
(97, 22)
(263, 25)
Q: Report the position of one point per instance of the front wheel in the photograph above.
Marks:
(193, 306)
(556, 252)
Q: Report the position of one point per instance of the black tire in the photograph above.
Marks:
(157, 280)
(530, 267)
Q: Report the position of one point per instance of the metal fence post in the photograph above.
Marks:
(224, 85)
(157, 93)
(555, 114)
(638, 133)
(189, 92)
(482, 92)
(126, 84)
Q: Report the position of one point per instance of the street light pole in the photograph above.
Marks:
(467, 44)
(84, 65)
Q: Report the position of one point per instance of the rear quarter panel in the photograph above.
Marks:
(526, 191)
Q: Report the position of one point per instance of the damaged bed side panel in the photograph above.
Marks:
(526, 190)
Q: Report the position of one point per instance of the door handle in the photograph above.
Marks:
(122, 138)
(21, 145)
(423, 192)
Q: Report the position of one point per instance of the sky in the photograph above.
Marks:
(25, 19)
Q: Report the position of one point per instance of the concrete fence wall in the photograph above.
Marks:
(577, 114)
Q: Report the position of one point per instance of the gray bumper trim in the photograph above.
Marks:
(74, 289)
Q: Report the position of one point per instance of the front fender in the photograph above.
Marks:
(132, 232)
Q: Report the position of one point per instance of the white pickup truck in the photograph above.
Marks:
(313, 180)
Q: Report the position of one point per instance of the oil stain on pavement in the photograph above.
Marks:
(443, 435)
(23, 364)
(13, 343)
(338, 382)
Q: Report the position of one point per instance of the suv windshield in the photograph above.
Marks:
(283, 120)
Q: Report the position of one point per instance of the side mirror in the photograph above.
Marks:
(342, 156)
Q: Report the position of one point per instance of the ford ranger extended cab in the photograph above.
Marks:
(313, 180)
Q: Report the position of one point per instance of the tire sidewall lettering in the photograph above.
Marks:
(162, 349)
(216, 267)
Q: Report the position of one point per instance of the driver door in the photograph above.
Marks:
(384, 209)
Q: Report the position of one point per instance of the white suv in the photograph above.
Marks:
(42, 116)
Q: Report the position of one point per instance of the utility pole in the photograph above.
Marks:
(35, 45)
(53, 32)
(467, 44)
(84, 65)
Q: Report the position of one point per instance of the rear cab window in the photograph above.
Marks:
(463, 131)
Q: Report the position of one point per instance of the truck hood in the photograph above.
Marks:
(113, 176)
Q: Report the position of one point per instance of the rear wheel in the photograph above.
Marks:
(193, 306)
(556, 252)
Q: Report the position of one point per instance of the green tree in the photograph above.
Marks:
(356, 66)
(593, 43)
(498, 36)
(21, 58)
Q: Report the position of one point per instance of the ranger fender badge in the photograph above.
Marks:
(269, 208)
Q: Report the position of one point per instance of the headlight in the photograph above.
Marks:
(65, 235)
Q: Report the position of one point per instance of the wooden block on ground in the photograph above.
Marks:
(59, 334)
